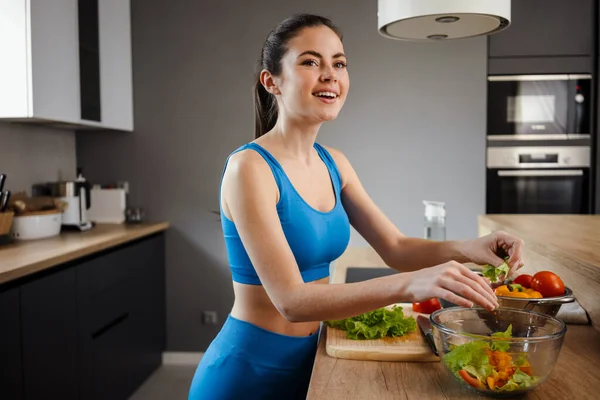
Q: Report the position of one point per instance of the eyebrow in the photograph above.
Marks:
(316, 54)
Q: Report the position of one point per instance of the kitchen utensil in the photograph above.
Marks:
(548, 305)
(425, 326)
(536, 338)
(411, 347)
(6, 219)
(38, 225)
(2, 179)
(4, 197)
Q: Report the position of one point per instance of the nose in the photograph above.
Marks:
(329, 74)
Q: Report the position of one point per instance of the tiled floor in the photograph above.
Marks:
(170, 382)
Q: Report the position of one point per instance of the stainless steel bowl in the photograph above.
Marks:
(548, 305)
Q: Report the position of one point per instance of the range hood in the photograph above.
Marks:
(434, 20)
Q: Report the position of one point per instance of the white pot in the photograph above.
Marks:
(36, 226)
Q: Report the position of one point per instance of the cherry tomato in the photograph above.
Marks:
(427, 307)
(523, 280)
(548, 284)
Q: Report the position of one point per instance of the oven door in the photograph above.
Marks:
(538, 191)
(538, 106)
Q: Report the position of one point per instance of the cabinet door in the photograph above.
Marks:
(121, 317)
(546, 28)
(115, 64)
(11, 369)
(49, 324)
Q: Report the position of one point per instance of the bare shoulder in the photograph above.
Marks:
(248, 173)
(342, 162)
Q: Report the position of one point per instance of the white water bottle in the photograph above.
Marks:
(435, 220)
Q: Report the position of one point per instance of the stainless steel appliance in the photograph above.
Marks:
(539, 107)
(76, 194)
(538, 180)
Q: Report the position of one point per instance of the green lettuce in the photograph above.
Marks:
(520, 380)
(494, 273)
(471, 357)
(376, 324)
(499, 345)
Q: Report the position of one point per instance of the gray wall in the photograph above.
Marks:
(31, 154)
(413, 127)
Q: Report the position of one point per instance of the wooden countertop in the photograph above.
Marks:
(23, 258)
(574, 375)
(574, 237)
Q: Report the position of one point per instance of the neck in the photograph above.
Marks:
(296, 137)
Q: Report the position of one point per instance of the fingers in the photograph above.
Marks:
(466, 291)
(453, 298)
(479, 283)
(514, 248)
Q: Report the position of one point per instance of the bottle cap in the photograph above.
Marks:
(434, 208)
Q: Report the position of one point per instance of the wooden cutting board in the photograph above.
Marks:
(411, 347)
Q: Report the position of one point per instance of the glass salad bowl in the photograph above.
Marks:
(501, 353)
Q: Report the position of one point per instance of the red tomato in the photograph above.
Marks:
(427, 307)
(548, 284)
(523, 280)
(471, 380)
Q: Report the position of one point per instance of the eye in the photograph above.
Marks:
(340, 64)
(310, 63)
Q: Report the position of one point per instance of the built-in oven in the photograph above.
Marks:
(539, 107)
(538, 180)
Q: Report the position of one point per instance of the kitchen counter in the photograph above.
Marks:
(567, 245)
(23, 258)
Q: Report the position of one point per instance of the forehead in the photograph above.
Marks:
(320, 39)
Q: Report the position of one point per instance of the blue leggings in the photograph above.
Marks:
(245, 361)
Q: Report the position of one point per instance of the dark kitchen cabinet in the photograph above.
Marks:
(121, 308)
(542, 28)
(11, 368)
(92, 329)
(49, 336)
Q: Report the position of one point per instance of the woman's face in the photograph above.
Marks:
(314, 82)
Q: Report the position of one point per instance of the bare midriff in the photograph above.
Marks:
(252, 304)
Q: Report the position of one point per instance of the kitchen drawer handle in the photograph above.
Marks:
(110, 325)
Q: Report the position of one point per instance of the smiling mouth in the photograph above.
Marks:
(326, 95)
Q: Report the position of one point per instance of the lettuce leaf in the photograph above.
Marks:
(520, 380)
(470, 356)
(376, 324)
(494, 273)
(498, 345)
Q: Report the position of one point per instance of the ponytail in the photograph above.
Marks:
(265, 109)
(273, 50)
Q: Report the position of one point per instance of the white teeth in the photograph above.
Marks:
(326, 94)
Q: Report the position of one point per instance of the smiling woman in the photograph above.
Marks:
(286, 205)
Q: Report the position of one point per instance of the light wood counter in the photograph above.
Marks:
(23, 258)
(574, 375)
(568, 245)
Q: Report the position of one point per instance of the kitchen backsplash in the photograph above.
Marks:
(30, 154)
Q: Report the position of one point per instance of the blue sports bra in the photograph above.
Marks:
(316, 238)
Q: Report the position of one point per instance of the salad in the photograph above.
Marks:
(487, 365)
(376, 324)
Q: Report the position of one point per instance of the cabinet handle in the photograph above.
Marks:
(110, 325)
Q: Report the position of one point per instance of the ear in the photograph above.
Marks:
(268, 81)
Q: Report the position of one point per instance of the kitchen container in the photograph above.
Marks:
(37, 225)
(547, 305)
(535, 344)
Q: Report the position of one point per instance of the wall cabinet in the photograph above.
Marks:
(66, 63)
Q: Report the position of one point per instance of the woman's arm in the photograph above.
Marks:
(250, 195)
(409, 254)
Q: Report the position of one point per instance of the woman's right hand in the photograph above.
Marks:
(453, 282)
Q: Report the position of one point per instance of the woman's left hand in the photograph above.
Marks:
(486, 250)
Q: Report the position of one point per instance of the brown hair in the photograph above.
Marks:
(273, 50)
